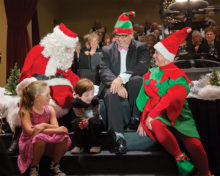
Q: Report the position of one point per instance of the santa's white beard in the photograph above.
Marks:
(64, 60)
(56, 51)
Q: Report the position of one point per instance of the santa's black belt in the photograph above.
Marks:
(44, 77)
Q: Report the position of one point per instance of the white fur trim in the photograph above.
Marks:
(163, 51)
(25, 82)
(58, 110)
(10, 106)
(59, 81)
(12, 118)
(51, 68)
(188, 30)
(66, 40)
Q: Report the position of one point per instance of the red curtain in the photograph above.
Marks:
(19, 14)
(35, 30)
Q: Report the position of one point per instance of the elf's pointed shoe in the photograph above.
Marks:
(184, 165)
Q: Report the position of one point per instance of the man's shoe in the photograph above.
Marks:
(121, 147)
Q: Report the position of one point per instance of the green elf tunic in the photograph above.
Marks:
(163, 96)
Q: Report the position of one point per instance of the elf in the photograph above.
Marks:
(165, 112)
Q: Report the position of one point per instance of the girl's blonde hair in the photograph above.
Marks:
(83, 86)
(92, 36)
(28, 96)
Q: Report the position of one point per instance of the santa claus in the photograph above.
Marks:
(51, 61)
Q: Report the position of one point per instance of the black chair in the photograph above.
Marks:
(87, 73)
(183, 63)
(89, 67)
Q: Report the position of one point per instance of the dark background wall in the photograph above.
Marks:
(79, 15)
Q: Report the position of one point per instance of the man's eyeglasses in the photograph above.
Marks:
(121, 35)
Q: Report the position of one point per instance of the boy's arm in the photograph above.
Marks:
(80, 112)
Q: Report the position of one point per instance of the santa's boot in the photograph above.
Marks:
(13, 149)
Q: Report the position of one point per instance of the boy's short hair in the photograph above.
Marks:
(82, 86)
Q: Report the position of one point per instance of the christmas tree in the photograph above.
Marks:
(12, 81)
(214, 80)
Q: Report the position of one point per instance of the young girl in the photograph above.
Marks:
(41, 134)
(88, 124)
(165, 112)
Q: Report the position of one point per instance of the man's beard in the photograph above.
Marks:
(64, 60)
(56, 51)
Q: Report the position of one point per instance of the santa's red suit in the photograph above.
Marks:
(49, 61)
(60, 81)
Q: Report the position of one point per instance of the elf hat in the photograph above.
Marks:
(65, 35)
(170, 45)
(124, 25)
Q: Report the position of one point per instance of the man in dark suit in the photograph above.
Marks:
(121, 68)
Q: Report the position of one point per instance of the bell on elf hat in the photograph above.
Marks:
(123, 24)
(65, 35)
(170, 45)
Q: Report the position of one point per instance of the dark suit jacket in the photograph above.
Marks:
(205, 49)
(137, 62)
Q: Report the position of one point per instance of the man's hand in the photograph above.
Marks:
(116, 84)
(122, 92)
(140, 130)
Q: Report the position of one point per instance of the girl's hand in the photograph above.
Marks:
(35, 131)
(148, 123)
(140, 130)
(38, 128)
(87, 52)
(62, 130)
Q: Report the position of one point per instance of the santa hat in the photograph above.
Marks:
(65, 35)
(170, 45)
(124, 25)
